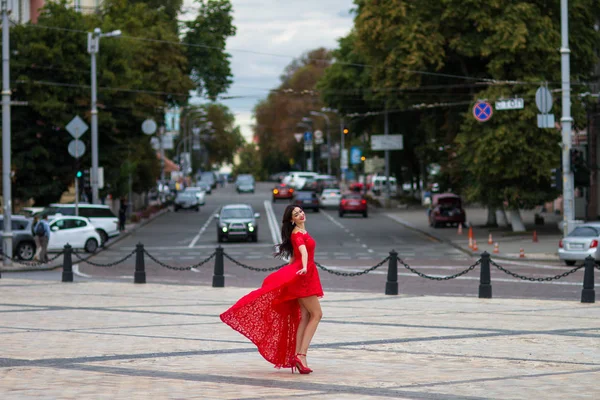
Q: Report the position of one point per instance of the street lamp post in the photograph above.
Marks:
(93, 47)
(341, 117)
(306, 126)
(6, 137)
(320, 114)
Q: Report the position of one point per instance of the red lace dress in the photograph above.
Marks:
(269, 316)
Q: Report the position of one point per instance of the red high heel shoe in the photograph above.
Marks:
(302, 369)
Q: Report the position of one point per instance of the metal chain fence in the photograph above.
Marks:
(201, 263)
(31, 263)
(527, 278)
(366, 271)
(112, 264)
(439, 278)
(251, 267)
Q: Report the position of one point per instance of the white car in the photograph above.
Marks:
(198, 191)
(101, 216)
(297, 179)
(330, 197)
(76, 231)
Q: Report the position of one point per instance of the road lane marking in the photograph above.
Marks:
(77, 272)
(340, 225)
(204, 227)
(272, 221)
(412, 226)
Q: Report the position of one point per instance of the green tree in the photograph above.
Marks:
(207, 37)
(250, 162)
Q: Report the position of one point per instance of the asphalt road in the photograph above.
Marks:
(349, 244)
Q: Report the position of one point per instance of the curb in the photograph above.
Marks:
(109, 245)
(466, 251)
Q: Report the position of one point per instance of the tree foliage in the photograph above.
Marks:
(139, 75)
(207, 35)
(278, 115)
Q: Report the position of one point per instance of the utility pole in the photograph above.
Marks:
(6, 137)
(342, 176)
(566, 121)
(386, 131)
(93, 47)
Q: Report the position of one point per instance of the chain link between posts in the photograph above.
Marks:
(112, 264)
(32, 263)
(366, 271)
(198, 265)
(527, 278)
(251, 268)
(439, 278)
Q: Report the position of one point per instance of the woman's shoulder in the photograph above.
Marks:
(299, 231)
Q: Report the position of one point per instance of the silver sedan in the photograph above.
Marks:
(581, 242)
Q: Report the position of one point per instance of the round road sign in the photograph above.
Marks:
(76, 148)
(482, 111)
(149, 126)
(543, 99)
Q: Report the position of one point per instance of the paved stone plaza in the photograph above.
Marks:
(106, 340)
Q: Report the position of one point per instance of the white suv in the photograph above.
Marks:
(101, 217)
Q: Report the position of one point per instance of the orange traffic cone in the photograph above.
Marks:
(470, 243)
(535, 239)
(475, 248)
(460, 228)
(521, 253)
(490, 241)
(470, 232)
(496, 248)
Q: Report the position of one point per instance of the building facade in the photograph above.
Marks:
(23, 11)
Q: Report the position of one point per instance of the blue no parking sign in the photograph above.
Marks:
(482, 111)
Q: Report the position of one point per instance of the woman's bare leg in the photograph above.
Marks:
(313, 306)
(301, 327)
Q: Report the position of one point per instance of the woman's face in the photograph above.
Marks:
(298, 215)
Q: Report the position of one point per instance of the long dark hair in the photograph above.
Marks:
(285, 248)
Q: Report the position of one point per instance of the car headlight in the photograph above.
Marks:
(224, 229)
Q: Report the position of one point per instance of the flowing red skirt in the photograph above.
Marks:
(270, 316)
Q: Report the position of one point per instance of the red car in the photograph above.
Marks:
(446, 208)
(353, 203)
(282, 191)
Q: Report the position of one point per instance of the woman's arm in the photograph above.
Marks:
(304, 255)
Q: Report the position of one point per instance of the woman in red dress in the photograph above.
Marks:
(282, 316)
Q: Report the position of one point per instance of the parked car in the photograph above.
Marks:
(78, 232)
(101, 216)
(446, 208)
(210, 178)
(23, 242)
(330, 198)
(204, 186)
(187, 200)
(237, 221)
(198, 191)
(326, 182)
(278, 176)
(282, 191)
(379, 185)
(244, 183)
(306, 199)
(353, 203)
(581, 242)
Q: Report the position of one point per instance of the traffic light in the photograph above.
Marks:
(557, 179)
(363, 158)
(86, 179)
(79, 174)
(346, 131)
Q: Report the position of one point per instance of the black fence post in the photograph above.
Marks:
(391, 285)
(485, 282)
(218, 276)
(67, 274)
(140, 267)
(588, 294)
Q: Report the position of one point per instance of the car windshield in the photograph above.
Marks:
(245, 179)
(584, 231)
(305, 195)
(237, 213)
(186, 195)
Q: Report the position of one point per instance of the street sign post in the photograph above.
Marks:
(149, 127)
(77, 127)
(482, 111)
(318, 137)
(543, 101)
(387, 142)
(76, 148)
(510, 104)
(355, 154)
(298, 137)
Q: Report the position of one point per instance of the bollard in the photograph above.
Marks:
(391, 286)
(67, 275)
(140, 268)
(219, 277)
(485, 283)
(588, 294)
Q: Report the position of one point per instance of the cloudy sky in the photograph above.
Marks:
(284, 29)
